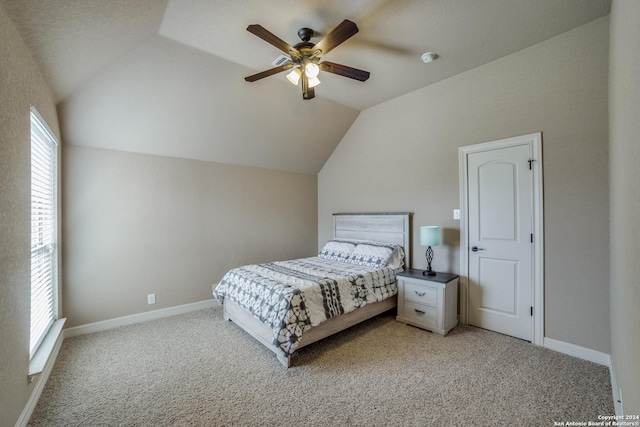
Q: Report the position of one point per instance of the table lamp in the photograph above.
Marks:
(429, 236)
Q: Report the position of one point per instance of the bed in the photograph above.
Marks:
(288, 305)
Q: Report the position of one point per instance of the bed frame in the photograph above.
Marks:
(383, 227)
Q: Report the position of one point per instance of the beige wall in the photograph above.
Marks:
(137, 224)
(624, 134)
(21, 85)
(144, 103)
(402, 156)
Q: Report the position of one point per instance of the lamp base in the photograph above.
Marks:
(429, 255)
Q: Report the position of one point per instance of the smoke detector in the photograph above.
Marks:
(428, 57)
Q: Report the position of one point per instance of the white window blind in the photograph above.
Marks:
(43, 230)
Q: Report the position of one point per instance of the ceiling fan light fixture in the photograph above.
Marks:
(311, 70)
(302, 61)
(314, 81)
(294, 76)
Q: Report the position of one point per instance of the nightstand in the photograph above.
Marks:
(428, 302)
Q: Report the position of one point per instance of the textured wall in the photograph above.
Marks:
(20, 86)
(402, 156)
(137, 224)
(624, 108)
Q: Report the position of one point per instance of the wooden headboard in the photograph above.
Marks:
(387, 227)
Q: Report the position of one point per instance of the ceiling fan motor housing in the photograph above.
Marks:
(305, 34)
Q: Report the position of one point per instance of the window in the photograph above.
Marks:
(44, 266)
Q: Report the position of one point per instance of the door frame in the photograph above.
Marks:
(534, 141)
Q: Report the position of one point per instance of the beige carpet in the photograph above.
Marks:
(199, 370)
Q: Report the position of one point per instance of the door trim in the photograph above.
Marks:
(534, 141)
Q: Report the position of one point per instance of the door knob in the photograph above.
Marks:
(476, 249)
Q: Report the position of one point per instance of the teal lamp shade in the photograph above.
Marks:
(430, 235)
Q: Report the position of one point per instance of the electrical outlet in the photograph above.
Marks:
(456, 214)
(151, 299)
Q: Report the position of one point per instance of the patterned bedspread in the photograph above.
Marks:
(293, 296)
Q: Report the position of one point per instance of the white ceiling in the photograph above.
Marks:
(166, 77)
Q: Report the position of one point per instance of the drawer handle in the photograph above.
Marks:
(420, 294)
(420, 312)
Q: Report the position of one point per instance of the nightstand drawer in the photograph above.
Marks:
(423, 314)
(420, 294)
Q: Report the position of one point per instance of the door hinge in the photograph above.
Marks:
(531, 237)
(530, 162)
(532, 310)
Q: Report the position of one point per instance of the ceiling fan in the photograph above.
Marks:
(305, 57)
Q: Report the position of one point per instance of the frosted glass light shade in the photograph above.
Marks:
(429, 235)
(311, 70)
(313, 82)
(294, 76)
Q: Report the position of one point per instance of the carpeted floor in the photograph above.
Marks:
(198, 370)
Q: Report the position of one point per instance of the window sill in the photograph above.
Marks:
(49, 346)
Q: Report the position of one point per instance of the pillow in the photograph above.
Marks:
(376, 254)
(396, 260)
(337, 250)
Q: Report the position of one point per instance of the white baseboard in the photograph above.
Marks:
(617, 398)
(137, 318)
(578, 351)
(41, 381)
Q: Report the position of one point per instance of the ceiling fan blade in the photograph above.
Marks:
(274, 40)
(336, 36)
(268, 73)
(343, 70)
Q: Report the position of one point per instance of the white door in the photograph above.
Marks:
(500, 240)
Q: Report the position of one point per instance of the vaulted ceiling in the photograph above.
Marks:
(167, 77)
